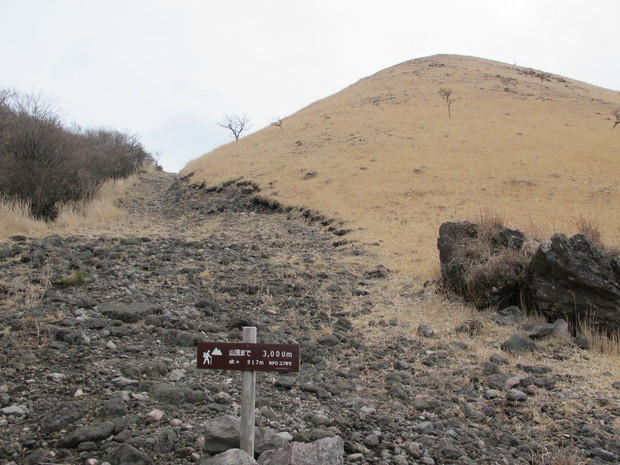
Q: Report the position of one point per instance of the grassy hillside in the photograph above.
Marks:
(384, 155)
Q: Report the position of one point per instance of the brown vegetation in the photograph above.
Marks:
(46, 165)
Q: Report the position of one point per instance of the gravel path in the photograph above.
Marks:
(98, 360)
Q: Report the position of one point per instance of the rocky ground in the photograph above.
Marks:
(98, 359)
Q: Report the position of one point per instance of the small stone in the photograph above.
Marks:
(414, 449)
(110, 345)
(508, 316)
(426, 330)
(560, 329)
(604, 455)
(358, 457)
(538, 331)
(491, 368)
(400, 460)
(514, 381)
(518, 344)
(328, 340)
(471, 327)
(56, 377)
(78, 393)
(223, 397)
(372, 440)
(427, 461)
(122, 381)
(532, 390)
(127, 454)
(401, 365)
(426, 427)
(492, 394)
(583, 342)
(451, 452)
(155, 415)
(14, 410)
(176, 375)
(516, 395)
(499, 360)
(92, 432)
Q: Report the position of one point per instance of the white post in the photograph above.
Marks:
(248, 399)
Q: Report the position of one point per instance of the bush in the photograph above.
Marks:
(46, 164)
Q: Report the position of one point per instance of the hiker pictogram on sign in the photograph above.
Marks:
(207, 357)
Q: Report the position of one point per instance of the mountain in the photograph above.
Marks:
(386, 156)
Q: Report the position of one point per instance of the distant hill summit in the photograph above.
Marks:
(441, 138)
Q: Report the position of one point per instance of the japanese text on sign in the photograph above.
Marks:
(248, 357)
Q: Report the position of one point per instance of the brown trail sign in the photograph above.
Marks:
(249, 357)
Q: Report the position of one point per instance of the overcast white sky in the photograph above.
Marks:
(168, 70)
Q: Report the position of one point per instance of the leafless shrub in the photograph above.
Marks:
(277, 121)
(46, 164)
(616, 114)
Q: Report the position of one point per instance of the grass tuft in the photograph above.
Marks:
(75, 279)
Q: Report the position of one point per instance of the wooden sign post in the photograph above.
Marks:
(248, 399)
(249, 357)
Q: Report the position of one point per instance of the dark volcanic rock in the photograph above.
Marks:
(222, 433)
(480, 265)
(570, 278)
(175, 395)
(92, 432)
(126, 454)
(508, 316)
(61, 416)
(518, 344)
(129, 312)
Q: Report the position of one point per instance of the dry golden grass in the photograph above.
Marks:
(384, 156)
(74, 217)
(390, 161)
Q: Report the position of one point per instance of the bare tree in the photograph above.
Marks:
(446, 94)
(276, 121)
(235, 124)
(616, 114)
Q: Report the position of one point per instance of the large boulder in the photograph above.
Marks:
(483, 264)
(570, 278)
